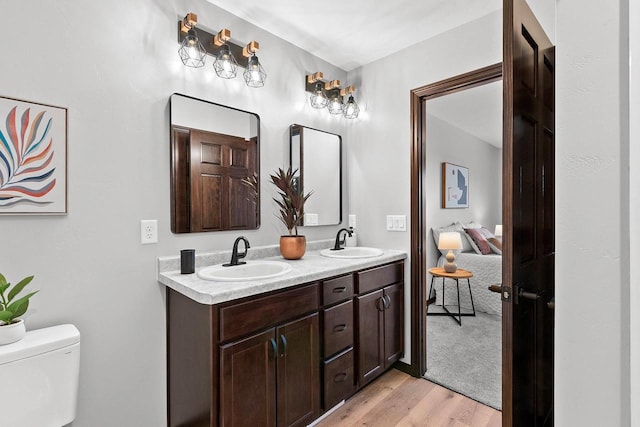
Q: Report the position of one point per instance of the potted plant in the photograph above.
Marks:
(290, 201)
(11, 308)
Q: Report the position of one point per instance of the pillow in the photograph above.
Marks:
(456, 226)
(472, 224)
(477, 235)
(495, 244)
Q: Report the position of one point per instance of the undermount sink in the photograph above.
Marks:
(352, 252)
(252, 270)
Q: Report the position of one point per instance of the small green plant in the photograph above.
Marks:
(10, 307)
(290, 199)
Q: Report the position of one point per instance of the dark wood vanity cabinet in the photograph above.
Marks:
(272, 378)
(338, 338)
(282, 358)
(380, 320)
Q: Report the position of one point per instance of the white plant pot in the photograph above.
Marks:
(12, 332)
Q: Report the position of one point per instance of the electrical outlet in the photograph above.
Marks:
(148, 231)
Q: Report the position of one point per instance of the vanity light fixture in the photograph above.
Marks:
(351, 109)
(318, 97)
(328, 94)
(225, 64)
(228, 55)
(191, 51)
(335, 105)
(254, 75)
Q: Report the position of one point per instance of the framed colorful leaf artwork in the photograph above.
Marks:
(455, 186)
(33, 158)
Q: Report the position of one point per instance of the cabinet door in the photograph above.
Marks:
(298, 372)
(248, 381)
(370, 336)
(393, 322)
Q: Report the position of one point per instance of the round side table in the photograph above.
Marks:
(457, 275)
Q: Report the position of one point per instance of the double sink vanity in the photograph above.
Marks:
(277, 342)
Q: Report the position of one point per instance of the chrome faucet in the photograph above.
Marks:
(235, 255)
(339, 243)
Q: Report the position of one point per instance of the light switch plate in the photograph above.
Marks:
(396, 223)
(352, 221)
(310, 219)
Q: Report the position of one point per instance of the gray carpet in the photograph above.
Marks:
(466, 359)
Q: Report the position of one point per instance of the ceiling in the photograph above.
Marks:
(352, 33)
(477, 111)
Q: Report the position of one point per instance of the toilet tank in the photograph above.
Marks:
(39, 376)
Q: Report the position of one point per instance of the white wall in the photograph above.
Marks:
(634, 212)
(114, 65)
(592, 235)
(447, 143)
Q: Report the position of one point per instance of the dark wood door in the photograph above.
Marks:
(393, 319)
(219, 200)
(248, 381)
(370, 336)
(528, 217)
(298, 372)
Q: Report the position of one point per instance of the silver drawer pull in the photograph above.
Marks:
(339, 290)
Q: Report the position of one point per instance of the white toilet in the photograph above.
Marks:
(39, 375)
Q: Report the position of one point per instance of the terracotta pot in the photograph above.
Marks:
(293, 247)
(12, 332)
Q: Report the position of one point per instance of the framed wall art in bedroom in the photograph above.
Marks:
(33, 158)
(455, 186)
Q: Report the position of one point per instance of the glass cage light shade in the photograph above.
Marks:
(225, 64)
(319, 97)
(191, 51)
(351, 109)
(335, 105)
(254, 75)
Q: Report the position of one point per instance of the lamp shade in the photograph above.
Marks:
(498, 230)
(450, 240)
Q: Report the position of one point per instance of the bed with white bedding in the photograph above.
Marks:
(486, 269)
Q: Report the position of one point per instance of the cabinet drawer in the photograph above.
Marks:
(336, 290)
(379, 277)
(258, 313)
(338, 328)
(338, 379)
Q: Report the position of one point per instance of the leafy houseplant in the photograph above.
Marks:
(11, 308)
(290, 201)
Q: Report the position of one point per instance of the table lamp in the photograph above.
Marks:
(498, 231)
(450, 240)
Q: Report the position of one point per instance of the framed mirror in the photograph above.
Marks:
(215, 164)
(317, 155)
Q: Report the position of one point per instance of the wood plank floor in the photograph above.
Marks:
(398, 399)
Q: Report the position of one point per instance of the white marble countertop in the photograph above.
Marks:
(311, 267)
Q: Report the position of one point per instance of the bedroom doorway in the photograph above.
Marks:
(459, 123)
(463, 199)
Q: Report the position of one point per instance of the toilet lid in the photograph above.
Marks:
(40, 341)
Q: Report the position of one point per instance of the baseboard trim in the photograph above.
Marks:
(406, 368)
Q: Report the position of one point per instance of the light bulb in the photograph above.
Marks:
(191, 51)
(319, 97)
(254, 75)
(225, 64)
(335, 105)
(351, 109)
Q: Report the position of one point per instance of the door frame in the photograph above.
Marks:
(419, 227)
